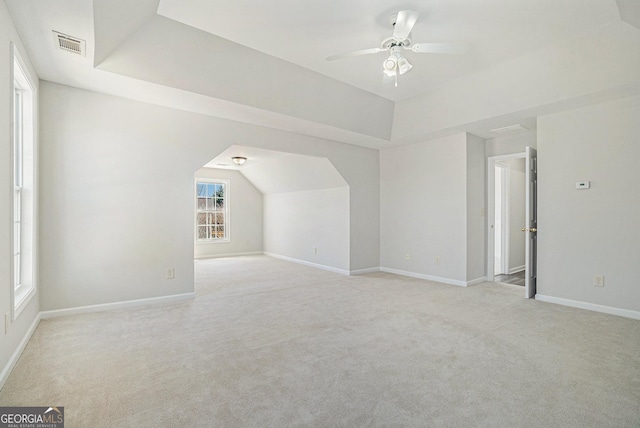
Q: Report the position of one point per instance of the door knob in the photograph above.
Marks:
(533, 229)
(524, 229)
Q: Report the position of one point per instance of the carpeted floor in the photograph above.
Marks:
(268, 343)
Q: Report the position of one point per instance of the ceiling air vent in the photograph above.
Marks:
(69, 44)
(510, 129)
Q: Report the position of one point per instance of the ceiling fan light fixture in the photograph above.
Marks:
(404, 65)
(390, 65)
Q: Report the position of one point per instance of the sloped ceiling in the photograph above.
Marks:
(263, 63)
(278, 172)
(115, 21)
(629, 11)
(215, 67)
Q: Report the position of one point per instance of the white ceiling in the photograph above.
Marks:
(264, 62)
(306, 32)
(254, 155)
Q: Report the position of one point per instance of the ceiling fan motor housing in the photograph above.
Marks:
(391, 42)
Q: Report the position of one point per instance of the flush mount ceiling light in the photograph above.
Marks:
(239, 160)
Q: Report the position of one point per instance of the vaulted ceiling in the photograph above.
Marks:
(278, 172)
(264, 62)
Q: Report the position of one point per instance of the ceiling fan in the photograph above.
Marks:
(400, 41)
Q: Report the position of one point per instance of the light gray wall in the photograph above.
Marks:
(117, 181)
(297, 222)
(423, 206)
(433, 197)
(509, 144)
(582, 233)
(9, 342)
(117, 184)
(245, 216)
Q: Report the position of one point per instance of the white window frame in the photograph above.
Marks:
(226, 211)
(24, 111)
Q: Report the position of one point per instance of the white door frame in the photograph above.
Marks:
(491, 189)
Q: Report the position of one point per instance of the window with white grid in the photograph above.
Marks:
(18, 144)
(212, 211)
(23, 212)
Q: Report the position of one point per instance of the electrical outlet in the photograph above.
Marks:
(171, 273)
(437, 260)
(598, 280)
(407, 256)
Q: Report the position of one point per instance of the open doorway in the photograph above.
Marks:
(274, 203)
(511, 213)
(509, 217)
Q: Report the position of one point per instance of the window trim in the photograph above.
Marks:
(227, 211)
(21, 78)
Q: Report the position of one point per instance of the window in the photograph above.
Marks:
(212, 211)
(17, 186)
(23, 202)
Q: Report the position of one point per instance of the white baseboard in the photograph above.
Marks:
(476, 281)
(306, 263)
(116, 305)
(427, 277)
(6, 371)
(364, 271)
(217, 256)
(516, 269)
(589, 306)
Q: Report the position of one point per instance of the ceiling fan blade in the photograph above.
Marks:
(355, 53)
(443, 48)
(404, 24)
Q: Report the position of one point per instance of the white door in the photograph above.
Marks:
(531, 222)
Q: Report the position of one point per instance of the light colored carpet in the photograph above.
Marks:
(268, 343)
